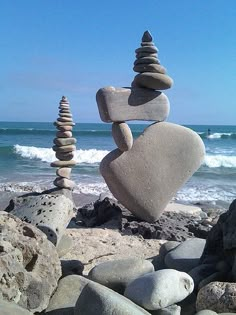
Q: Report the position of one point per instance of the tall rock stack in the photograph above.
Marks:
(145, 174)
(151, 74)
(64, 146)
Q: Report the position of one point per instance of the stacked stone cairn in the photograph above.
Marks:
(145, 174)
(64, 146)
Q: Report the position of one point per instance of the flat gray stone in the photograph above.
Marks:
(149, 68)
(63, 163)
(145, 54)
(122, 104)
(64, 141)
(159, 289)
(65, 128)
(64, 156)
(170, 310)
(29, 265)
(218, 297)
(122, 136)
(66, 295)
(150, 49)
(146, 60)
(60, 123)
(116, 274)
(145, 183)
(186, 256)
(65, 114)
(65, 119)
(64, 134)
(65, 148)
(10, 308)
(150, 80)
(50, 213)
(97, 299)
(64, 172)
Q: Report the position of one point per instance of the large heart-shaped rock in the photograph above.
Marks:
(145, 178)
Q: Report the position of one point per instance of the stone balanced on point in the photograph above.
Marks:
(145, 174)
(64, 146)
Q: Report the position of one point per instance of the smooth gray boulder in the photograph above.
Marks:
(29, 265)
(122, 104)
(97, 299)
(71, 267)
(218, 297)
(145, 178)
(160, 289)
(201, 272)
(66, 295)
(122, 136)
(64, 246)
(116, 274)
(9, 308)
(150, 80)
(50, 213)
(186, 256)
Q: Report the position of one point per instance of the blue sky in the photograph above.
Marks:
(51, 48)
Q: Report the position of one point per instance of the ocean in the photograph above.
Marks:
(25, 156)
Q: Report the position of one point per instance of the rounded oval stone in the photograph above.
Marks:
(64, 172)
(64, 156)
(157, 290)
(64, 114)
(63, 118)
(145, 54)
(122, 136)
(155, 81)
(64, 128)
(149, 68)
(117, 274)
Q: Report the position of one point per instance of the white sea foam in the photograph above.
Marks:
(213, 161)
(218, 135)
(90, 156)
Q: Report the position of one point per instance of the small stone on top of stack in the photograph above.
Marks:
(151, 74)
(64, 146)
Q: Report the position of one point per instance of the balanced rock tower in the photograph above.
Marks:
(145, 174)
(64, 146)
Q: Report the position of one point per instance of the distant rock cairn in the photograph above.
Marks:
(145, 174)
(64, 146)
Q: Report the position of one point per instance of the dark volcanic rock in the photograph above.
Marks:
(170, 226)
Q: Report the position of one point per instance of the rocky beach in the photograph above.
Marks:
(132, 247)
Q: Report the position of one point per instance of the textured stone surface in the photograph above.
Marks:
(155, 81)
(149, 68)
(116, 274)
(66, 295)
(97, 299)
(145, 178)
(206, 312)
(218, 297)
(186, 256)
(122, 136)
(121, 104)
(159, 289)
(7, 308)
(50, 213)
(29, 264)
